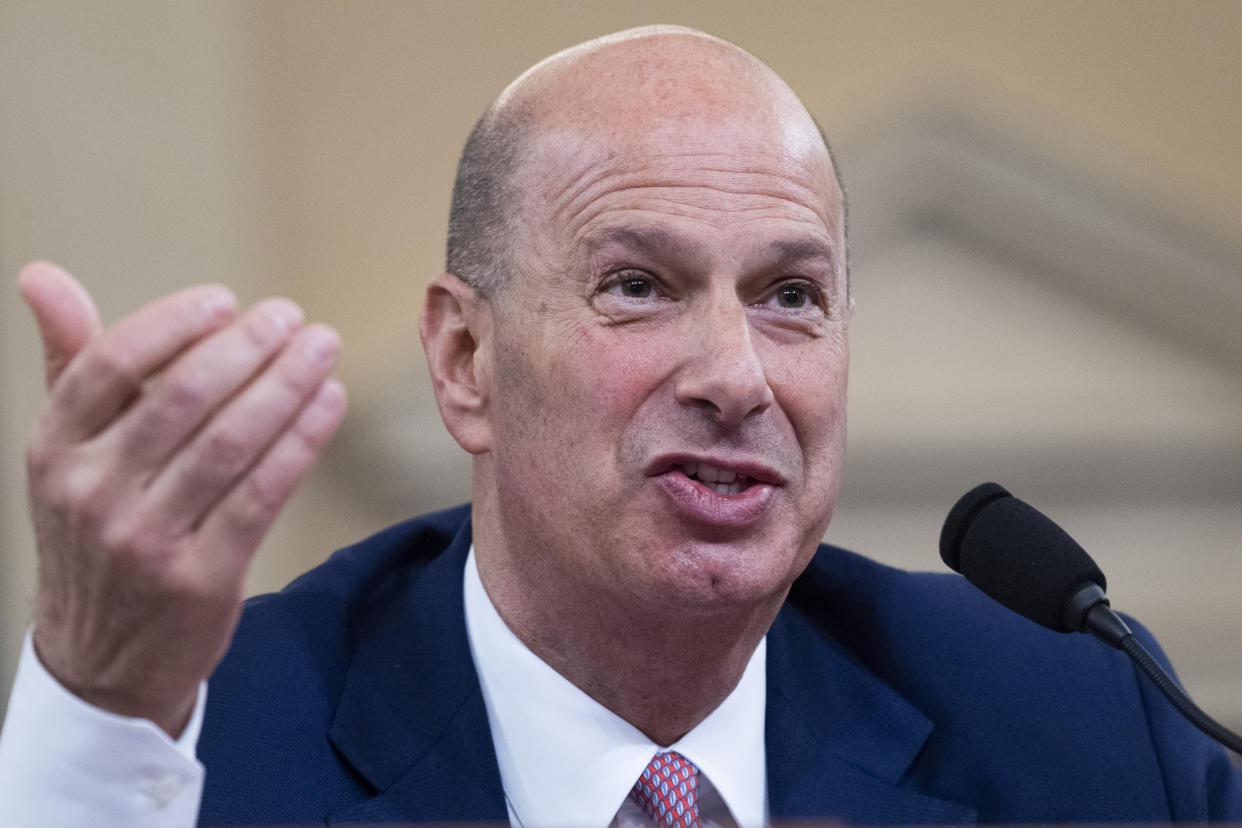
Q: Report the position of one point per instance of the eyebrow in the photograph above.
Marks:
(804, 249)
(650, 240)
(658, 241)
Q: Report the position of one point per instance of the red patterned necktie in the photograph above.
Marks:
(668, 791)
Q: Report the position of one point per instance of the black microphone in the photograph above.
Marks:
(1024, 561)
(1021, 559)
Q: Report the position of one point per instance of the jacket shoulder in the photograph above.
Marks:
(318, 612)
(276, 692)
(884, 615)
(1019, 712)
(366, 565)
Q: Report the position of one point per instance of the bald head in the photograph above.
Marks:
(648, 88)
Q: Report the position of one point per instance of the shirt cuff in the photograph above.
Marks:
(68, 763)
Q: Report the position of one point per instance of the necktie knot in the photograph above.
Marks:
(668, 791)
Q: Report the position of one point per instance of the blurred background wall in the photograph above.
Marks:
(1047, 199)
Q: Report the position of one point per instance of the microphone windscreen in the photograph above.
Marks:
(1016, 555)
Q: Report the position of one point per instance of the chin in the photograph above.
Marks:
(721, 576)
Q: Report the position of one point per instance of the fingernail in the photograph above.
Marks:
(284, 315)
(215, 300)
(331, 395)
(321, 345)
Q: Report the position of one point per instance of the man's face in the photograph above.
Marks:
(670, 362)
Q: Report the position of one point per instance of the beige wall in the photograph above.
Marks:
(307, 149)
(127, 153)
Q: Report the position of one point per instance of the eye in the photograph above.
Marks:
(636, 288)
(794, 296)
(633, 285)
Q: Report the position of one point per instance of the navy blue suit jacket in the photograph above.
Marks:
(893, 698)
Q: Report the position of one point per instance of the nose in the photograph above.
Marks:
(724, 377)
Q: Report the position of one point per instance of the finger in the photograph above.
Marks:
(64, 312)
(237, 523)
(109, 372)
(240, 433)
(196, 383)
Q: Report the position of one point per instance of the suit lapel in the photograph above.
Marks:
(411, 719)
(839, 741)
(412, 722)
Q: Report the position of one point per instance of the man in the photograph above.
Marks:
(642, 340)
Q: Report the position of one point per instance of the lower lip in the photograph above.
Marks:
(707, 506)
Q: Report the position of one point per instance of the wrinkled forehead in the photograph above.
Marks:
(672, 122)
(678, 101)
(691, 160)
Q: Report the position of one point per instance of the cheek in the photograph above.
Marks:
(573, 399)
(811, 377)
(810, 388)
(618, 372)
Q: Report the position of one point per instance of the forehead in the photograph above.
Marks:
(739, 173)
(672, 129)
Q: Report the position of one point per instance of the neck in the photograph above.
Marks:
(662, 683)
(661, 668)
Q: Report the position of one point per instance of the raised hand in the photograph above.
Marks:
(170, 442)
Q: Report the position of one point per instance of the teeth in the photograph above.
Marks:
(724, 481)
(725, 488)
(711, 474)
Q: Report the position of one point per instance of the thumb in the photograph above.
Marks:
(64, 312)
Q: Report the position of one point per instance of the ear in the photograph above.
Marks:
(456, 332)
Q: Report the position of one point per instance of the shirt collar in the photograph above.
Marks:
(566, 760)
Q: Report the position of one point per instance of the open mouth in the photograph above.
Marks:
(721, 481)
(730, 494)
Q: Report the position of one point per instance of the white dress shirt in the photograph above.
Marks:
(564, 759)
(64, 762)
